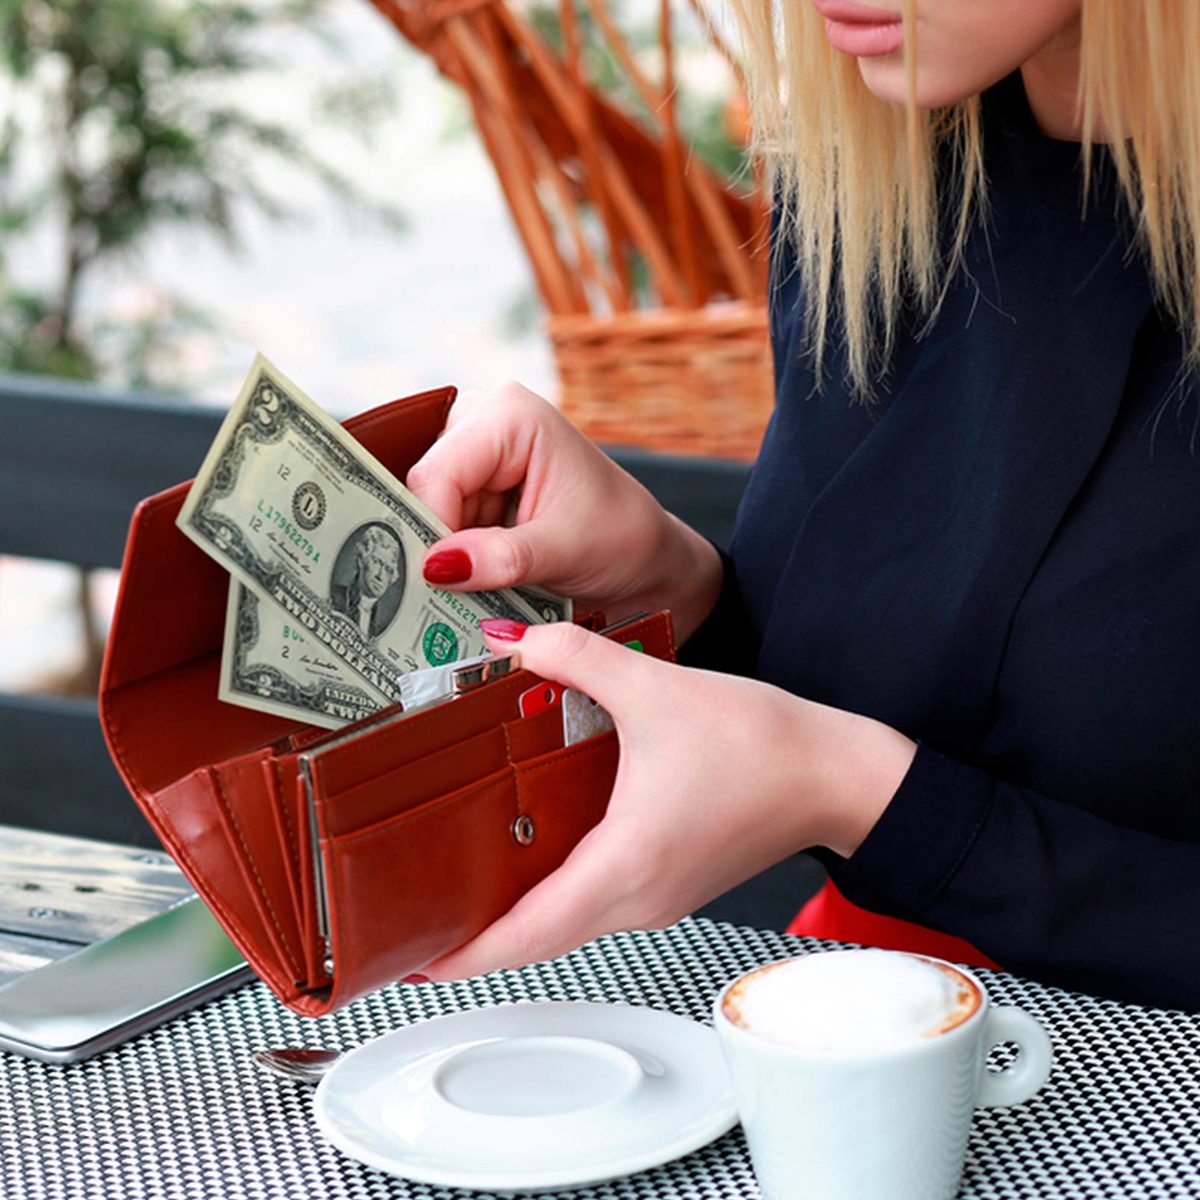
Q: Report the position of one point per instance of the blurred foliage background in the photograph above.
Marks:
(121, 122)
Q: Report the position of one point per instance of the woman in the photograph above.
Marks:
(955, 640)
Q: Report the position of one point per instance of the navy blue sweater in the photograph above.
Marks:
(1001, 559)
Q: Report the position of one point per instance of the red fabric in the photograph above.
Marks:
(830, 915)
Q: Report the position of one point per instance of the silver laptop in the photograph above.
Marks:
(113, 990)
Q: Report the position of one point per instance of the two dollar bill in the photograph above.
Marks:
(328, 609)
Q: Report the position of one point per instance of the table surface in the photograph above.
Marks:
(58, 894)
(182, 1112)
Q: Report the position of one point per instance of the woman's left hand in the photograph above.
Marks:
(720, 777)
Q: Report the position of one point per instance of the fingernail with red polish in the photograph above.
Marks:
(502, 629)
(416, 979)
(448, 566)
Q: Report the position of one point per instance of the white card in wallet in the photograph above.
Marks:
(582, 717)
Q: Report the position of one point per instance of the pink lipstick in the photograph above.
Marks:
(860, 29)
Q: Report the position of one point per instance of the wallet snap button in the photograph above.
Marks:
(522, 830)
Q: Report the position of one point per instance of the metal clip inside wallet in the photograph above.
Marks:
(466, 677)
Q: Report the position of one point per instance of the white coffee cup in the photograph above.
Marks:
(886, 1119)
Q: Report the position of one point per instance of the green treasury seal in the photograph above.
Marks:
(440, 644)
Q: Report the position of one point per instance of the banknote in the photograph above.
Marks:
(547, 605)
(307, 519)
(267, 663)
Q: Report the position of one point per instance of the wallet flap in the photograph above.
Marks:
(158, 690)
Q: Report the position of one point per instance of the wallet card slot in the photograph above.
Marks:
(535, 735)
(248, 809)
(339, 767)
(556, 767)
(401, 788)
(411, 888)
(293, 801)
(568, 789)
(298, 739)
(416, 812)
(380, 910)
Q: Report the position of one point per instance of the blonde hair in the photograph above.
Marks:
(854, 176)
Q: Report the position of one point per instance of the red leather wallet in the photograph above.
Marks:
(337, 862)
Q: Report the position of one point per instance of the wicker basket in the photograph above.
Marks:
(680, 362)
(695, 382)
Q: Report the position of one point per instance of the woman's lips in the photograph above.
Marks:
(859, 29)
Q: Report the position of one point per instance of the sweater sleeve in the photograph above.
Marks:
(727, 639)
(1046, 889)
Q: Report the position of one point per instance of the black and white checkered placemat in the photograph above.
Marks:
(182, 1112)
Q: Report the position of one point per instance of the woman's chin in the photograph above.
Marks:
(884, 77)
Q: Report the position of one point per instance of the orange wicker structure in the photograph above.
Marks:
(651, 266)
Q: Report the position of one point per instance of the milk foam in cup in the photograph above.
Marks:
(861, 1002)
(856, 1072)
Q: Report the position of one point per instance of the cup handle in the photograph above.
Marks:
(1032, 1068)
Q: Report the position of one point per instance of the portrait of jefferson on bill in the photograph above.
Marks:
(368, 578)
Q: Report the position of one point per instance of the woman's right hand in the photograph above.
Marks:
(532, 501)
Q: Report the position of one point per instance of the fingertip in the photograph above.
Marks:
(503, 630)
(469, 396)
(585, 661)
(434, 488)
(434, 972)
(448, 566)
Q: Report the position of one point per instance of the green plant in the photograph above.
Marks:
(124, 121)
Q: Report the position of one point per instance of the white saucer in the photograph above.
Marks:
(529, 1097)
